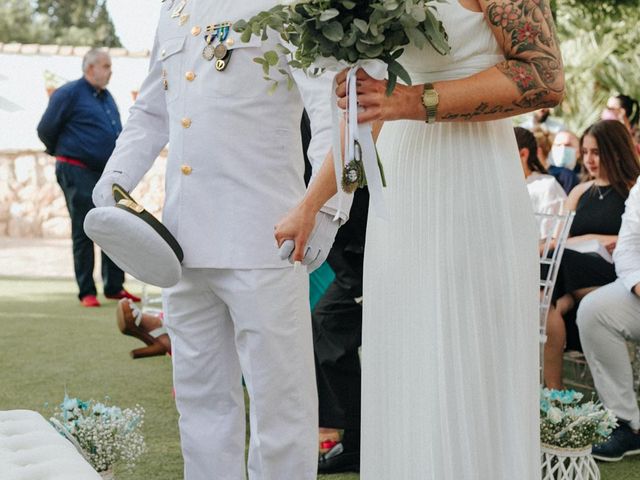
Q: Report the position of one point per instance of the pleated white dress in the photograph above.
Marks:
(450, 328)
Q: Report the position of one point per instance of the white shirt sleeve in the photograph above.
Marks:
(316, 95)
(147, 130)
(626, 255)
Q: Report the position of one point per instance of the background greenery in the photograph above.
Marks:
(49, 345)
(600, 43)
(59, 22)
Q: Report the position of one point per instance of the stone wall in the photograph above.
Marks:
(32, 203)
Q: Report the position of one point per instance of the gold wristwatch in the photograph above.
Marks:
(430, 101)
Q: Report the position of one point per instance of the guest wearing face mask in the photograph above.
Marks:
(563, 159)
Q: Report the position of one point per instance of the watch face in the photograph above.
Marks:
(430, 98)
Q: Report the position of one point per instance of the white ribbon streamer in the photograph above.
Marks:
(354, 132)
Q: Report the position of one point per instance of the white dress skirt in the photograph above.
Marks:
(450, 326)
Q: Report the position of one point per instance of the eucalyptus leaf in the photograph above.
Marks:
(397, 69)
(329, 14)
(272, 58)
(333, 31)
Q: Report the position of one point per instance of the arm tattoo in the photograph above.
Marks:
(529, 41)
(481, 110)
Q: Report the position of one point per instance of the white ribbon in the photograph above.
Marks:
(362, 133)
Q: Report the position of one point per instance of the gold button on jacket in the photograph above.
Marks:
(195, 31)
(186, 170)
(190, 76)
(186, 122)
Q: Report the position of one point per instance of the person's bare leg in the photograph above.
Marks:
(556, 340)
(582, 292)
(553, 349)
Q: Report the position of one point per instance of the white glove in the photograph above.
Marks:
(318, 245)
(103, 191)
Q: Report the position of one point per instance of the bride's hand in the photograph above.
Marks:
(296, 226)
(373, 101)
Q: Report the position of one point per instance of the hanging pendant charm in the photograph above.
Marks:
(353, 176)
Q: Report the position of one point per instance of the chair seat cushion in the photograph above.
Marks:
(31, 449)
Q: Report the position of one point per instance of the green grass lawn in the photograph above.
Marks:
(49, 345)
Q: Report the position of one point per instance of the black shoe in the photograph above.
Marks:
(623, 442)
(337, 460)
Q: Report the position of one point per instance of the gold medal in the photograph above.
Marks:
(220, 51)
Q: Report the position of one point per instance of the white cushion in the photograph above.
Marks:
(31, 449)
(133, 245)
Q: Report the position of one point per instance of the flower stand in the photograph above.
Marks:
(568, 464)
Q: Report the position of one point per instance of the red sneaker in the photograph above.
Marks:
(89, 301)
(123, 294)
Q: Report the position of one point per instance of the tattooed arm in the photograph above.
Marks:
(531, 76)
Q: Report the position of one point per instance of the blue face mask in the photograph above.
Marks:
(563, 156)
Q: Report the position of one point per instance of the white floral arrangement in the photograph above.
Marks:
(566, 423)
(107, 435)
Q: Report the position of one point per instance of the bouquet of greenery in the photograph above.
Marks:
(106, 435)
(347, 31)
(339, 34)
(566, 423)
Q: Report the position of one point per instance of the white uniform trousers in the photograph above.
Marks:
(607, 318)
(225, 323)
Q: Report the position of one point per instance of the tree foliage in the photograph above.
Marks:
(62, 22)
(600, 44)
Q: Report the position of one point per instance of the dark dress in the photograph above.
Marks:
(583, 270)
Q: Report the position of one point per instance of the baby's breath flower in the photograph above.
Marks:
(566, 423)
(108, 435)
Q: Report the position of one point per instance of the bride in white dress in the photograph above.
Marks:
(450, 323)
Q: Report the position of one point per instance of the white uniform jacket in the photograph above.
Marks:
(235, 164)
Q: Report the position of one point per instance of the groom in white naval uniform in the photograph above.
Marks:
(235, 167)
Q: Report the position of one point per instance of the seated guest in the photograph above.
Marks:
(544, 140)
(607, 318)
(612, 165)
(624, 109)
(547, 196)
(563, 159)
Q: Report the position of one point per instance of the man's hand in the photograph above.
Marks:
(103, 191)
(317, 248)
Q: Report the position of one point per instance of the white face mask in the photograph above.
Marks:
(563, 156)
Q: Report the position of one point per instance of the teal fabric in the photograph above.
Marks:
(319, 281)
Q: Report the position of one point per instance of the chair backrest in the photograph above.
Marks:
(552, 245)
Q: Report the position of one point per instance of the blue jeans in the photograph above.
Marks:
(77, 184)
